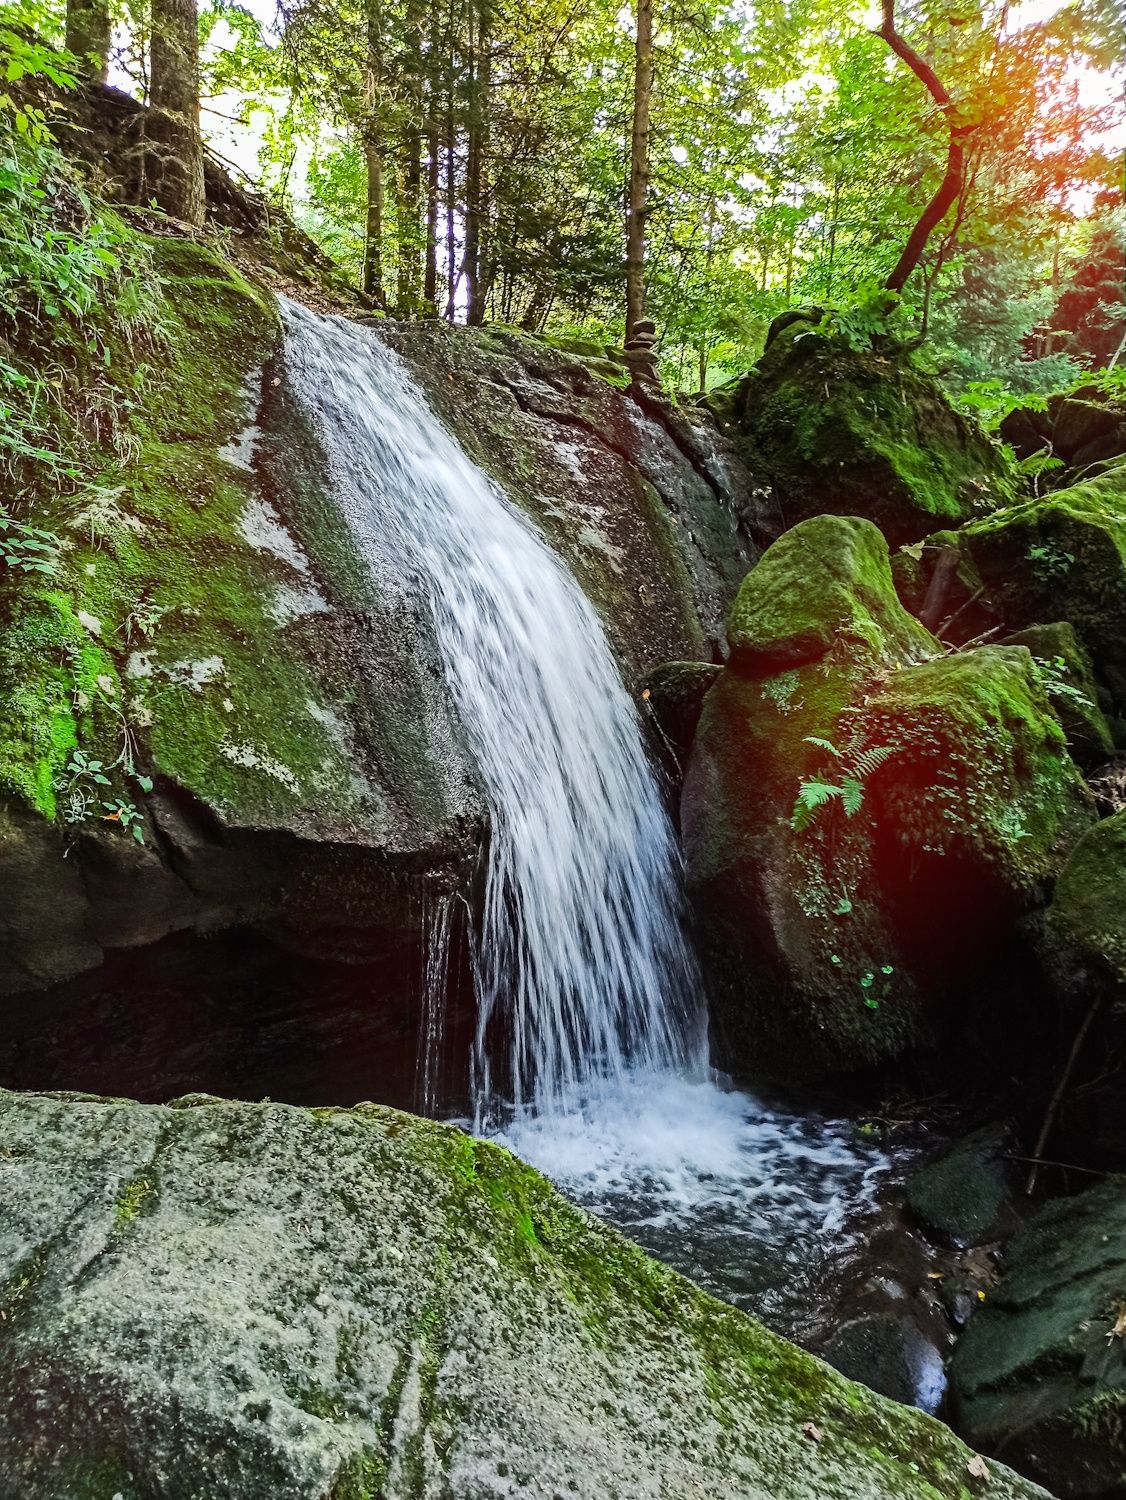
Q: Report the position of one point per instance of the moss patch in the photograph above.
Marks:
(863, 434)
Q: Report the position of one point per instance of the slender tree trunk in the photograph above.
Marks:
(476, 183)
(452, 277)
(410, 207)
(174, 147)
(373, 155)
(433, 186)
(951, 187)
(88, 33)
(833, 234)
(639, 167)
(373, 218)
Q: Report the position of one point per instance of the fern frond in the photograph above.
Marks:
(852, 795)
(870, 760)
(813, 739)
(812, 795)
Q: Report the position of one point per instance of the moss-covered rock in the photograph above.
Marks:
(832, 430)
(219, 1300)
(1062, 557)
(861, 830)
(965, 1194)
(1087, 917)
(823, 586)
(209, 713)
(1069, 678)
(1040, 1373)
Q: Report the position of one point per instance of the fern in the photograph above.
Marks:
(856, 767)
(812, 796)
(813, 739)
(869, 761)
(852, 795)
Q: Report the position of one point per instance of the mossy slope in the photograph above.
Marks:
(223, 1300)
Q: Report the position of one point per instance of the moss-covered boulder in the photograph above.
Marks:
(1040, 1373)
(1068, 675)
(862, 829)
(823, 585)
(828, 429)
(255, 1301)
(1087, 918)
(210, 717)
(1062, 557)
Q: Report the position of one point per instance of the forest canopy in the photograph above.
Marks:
(480, 160)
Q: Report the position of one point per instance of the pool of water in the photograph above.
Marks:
(767, 1207)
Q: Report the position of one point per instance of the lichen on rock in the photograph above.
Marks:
(281, 1304)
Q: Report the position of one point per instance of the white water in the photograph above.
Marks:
(582, 969)
(590, 1052)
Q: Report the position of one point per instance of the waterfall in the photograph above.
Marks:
(582, 971)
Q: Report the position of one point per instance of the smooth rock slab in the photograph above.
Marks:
(217, 1301)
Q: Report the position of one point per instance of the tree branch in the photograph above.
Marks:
(951, 186)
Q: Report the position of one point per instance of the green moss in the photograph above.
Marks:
(186, 667)
(824, 584)
(1062, 557)
(1088, 910)
(868, 434)
(133, 1197)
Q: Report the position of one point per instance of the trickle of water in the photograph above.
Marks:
(438, 925)
(581, 967)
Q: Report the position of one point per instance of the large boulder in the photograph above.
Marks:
(864, 817)
(1040, 1373)
(256, 1301)
(1062, 557)
(826, 428)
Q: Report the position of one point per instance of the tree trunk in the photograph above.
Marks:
(88, 32)
(951, 187)
(452, 277)
(639, 167)
(373, 219)
(476, 181)
(372, 278)
(173, 145)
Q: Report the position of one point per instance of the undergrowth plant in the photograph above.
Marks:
(855, 766)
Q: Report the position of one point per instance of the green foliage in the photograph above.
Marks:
(856, 766)
(28, 549)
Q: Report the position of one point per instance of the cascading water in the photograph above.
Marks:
(590, 1058)
(580, 956)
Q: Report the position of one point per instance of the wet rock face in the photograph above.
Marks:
(255, 1300)
(825, 429)
(864, 817)
(231, 644)
(1040, 1372)
(641, 503)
